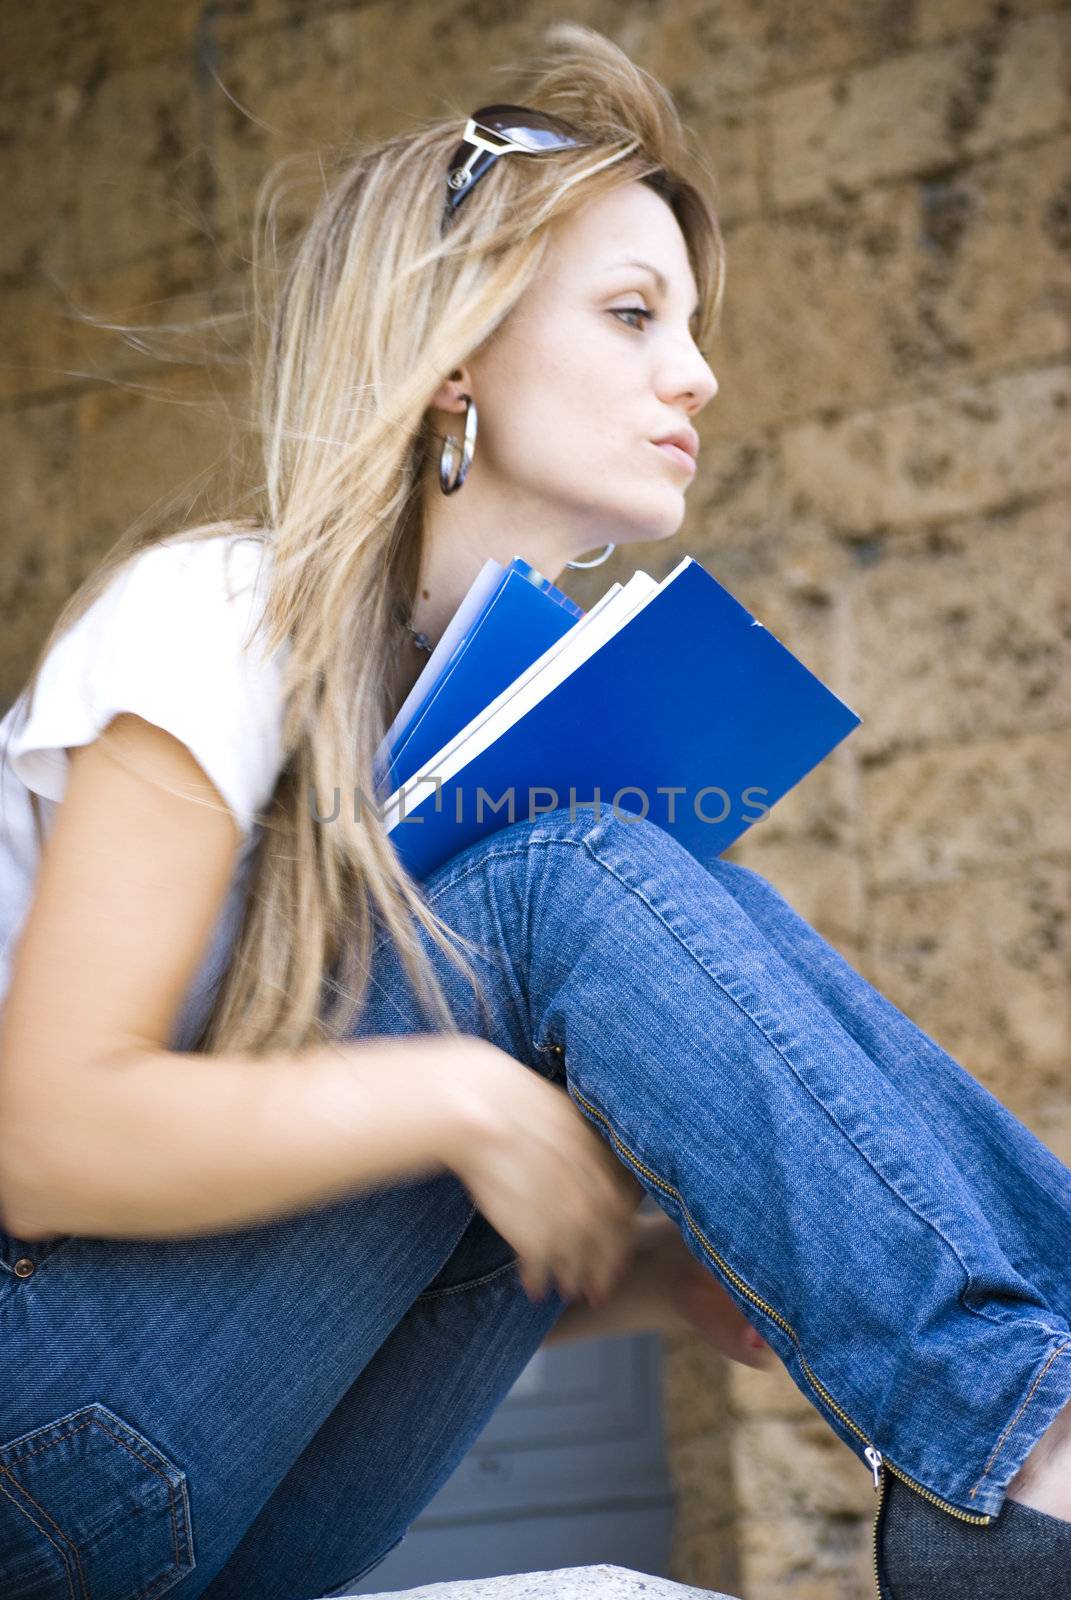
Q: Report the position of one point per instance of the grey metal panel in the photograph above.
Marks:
(582, 1422)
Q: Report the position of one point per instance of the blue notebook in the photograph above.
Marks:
(667, 700)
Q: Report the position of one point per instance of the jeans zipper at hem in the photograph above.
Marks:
(873, 1456)
(877, 1464)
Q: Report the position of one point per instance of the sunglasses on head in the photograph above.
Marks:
(495, 131)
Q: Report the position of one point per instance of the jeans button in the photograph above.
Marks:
(23, 1267)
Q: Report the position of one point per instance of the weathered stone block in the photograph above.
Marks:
(932, 20)
(72, 41)
(974, 448)
(914, 112)
(819, 1557)
(694, 1387)
(960, 810)
(240, 17)
(705, 1510)
(37, 179)
(37, 471)
(142, 181)
(603, 1582)
(981, 966)
(702, 1463)
(342, 52)
(704, 1552)
(57, 338)
(765, 1394)
(837, 135)
(961, 633)
(1016, 86)
(159, 454)
(799, 1466)
(730, 142)
(862, 300)
(36, 344)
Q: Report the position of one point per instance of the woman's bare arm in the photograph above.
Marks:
(106, 1132)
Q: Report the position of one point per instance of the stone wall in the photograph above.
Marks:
(883, 481)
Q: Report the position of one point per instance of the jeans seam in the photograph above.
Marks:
(1002, 1441)
(40, 1529)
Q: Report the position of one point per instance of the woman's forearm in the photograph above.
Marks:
(160, 1145)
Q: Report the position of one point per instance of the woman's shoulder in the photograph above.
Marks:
(217, 582)
(174, 638)
(233, 562)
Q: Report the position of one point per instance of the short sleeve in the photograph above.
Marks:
(169, 640)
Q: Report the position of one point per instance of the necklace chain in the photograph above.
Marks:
(421, 640)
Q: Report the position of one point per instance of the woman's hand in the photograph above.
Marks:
(539, 1171)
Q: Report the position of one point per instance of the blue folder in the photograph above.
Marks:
(509, 617)
(692, 714)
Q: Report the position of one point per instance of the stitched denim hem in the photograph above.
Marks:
(1043, 1400)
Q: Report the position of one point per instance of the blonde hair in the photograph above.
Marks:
(355, 322)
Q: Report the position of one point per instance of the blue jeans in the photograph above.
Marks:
(266, 1411)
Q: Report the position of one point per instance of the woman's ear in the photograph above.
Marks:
(449, 396)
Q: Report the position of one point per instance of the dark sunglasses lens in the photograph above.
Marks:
(537, 130)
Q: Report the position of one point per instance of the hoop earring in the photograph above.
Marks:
(448, 455)
(607, 553)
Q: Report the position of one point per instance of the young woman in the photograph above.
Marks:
(300, 1161)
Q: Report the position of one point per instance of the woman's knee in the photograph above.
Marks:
(587, 823)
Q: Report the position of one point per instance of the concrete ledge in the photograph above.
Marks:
(564, 1583)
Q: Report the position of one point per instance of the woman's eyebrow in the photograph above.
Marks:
(659, 278)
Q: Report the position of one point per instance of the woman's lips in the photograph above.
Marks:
(675, 453)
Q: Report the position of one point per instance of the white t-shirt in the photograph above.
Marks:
(165, 641)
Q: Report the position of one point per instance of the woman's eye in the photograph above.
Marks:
(631, 311)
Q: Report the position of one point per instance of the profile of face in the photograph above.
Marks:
(595, 362)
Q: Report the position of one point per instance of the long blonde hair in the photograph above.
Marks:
(355, 322)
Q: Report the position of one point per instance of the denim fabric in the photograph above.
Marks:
(266, 1411)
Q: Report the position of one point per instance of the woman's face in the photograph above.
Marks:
(594, 363)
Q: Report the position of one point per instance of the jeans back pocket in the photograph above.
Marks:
(90, 1510)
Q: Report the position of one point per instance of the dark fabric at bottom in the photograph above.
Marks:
(925, 1554)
